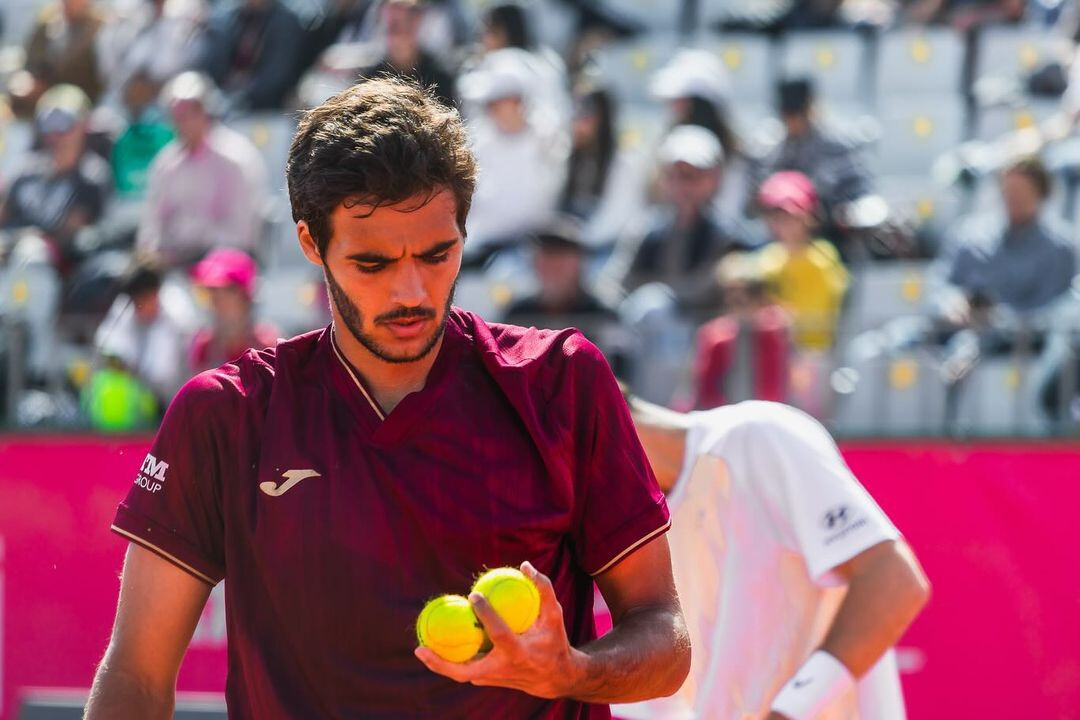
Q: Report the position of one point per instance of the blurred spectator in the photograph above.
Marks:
(506, 26)
(61, 50)
(146, 331)
(253, 53)
(229, 276)
(558, 260)
(205, 186)
(964, 14)
(1021, 263)
(696, 86)
(834, 166)
(148, 131)
(155, 39)
(64, 188)
(804, 273)
(520, 157)
(686, 241)
(743, 354)
(592, 152)
(404, 56)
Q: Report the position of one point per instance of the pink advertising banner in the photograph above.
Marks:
(989, 522)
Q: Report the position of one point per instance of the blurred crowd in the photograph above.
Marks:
(861, 207)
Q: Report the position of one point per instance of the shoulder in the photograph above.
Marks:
(826, 251)
(233, 146)
(244, 384)
(516, 346)
(1057, 232)
(550, 362)
(166, 157)
(762, 426)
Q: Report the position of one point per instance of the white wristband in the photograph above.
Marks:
(820, 680)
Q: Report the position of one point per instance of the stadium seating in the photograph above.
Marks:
(627, 66)
(292, 298)
(1010, 53)
(993, 122)
(650, 15)
(929, 61)
(916, 130)
(918, 200)
(30, 295)
(271, 133)
(835, 60)
(889, 395)
(882, 292)
(997, 398)
(749, 61)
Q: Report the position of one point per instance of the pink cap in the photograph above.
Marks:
(790, 191)
(225, 267)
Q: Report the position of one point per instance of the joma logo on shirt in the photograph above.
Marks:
(151, 474)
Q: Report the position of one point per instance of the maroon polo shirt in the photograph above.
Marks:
(334, 521)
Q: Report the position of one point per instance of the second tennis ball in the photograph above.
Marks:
(512, 595)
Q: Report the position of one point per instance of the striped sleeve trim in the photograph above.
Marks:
(164, 554)
(634, 546)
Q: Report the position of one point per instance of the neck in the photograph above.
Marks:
(663, 435)
(389, 383)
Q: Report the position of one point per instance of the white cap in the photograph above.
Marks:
(504, 73)
(692, 72)
(693, 145)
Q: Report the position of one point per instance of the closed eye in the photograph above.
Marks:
(370, 268)
(436, 258)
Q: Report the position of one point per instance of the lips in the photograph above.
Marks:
(408, 328)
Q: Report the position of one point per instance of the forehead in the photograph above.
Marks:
(411, 222)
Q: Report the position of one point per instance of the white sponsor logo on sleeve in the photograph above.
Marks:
(152, 474)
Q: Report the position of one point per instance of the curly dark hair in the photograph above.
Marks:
(380, 142)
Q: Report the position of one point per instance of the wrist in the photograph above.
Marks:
(820, 681)
(575, 672)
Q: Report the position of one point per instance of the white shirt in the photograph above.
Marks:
(156, 353)
(762, 511)
(206, 199)
(518, 181)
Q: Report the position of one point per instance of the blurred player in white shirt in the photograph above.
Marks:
(794, 583)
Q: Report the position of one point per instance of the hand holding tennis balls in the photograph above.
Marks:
(539, 661)
(449, 626)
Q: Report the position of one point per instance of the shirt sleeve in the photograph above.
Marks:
(817, 503)
(620, 507)
(174, 505)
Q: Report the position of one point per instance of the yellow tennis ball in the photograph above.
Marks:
(449, 627)
(512, 595)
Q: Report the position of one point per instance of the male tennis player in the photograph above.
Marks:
(339, 482)
(794, 583)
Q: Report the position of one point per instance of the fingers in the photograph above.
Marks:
(460, 672)
(549, 603)
(494, 626)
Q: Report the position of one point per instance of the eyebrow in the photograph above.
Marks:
(374, 257)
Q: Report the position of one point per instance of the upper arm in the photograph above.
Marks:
(641, 580)
(158, 610)
(892, 558)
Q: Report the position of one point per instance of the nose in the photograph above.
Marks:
(408, 289)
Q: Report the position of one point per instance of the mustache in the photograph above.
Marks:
(406, 314)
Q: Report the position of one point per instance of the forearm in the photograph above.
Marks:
(879, 606)
(646, 655)
(117, 693)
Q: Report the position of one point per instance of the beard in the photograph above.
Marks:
(354, 323)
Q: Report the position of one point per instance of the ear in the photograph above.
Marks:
(307, 244)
